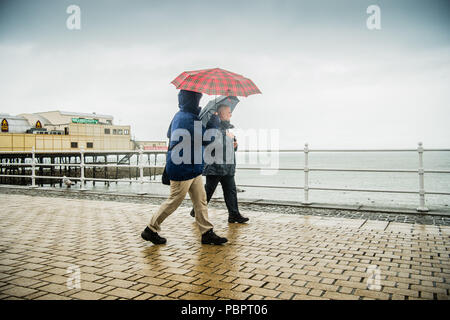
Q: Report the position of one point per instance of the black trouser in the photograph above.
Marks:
(229, 192)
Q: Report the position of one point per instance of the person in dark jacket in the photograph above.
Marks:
(224, 172)
(185, 176)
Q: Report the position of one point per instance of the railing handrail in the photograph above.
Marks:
(339, 150)
(239, 185)
(99, 165)
(88, 152)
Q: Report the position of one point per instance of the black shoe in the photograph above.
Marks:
(192, 213)
(237, 219)
(210, 237)
(154, 237)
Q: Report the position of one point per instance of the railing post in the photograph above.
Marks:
(306, 172)
(422, 207)
(141, 171)
(33, 169)
(82, 187)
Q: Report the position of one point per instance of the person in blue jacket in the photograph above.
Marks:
(185, 176)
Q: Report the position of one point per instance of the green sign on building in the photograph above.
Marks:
(80, 120)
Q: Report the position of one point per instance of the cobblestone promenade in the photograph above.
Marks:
(47, 242)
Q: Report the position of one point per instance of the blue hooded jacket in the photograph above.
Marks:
(188, 102)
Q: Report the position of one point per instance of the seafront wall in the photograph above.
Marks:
(386, 214)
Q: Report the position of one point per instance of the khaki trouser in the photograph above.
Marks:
(178, 190)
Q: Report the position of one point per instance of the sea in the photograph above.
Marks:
(403, 181)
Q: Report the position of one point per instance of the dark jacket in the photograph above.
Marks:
(228, 166)
(188, 102)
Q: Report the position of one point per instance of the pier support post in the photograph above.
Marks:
(141, 171)
(94, 160)
(33, 169)
(82, 186)
(422, 207)
(52, 170)
(306, 172)
(106, 172)
(60, 171)
(41, 169)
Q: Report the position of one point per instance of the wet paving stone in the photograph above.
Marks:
(89, 247)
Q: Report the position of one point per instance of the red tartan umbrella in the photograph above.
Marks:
(216, 82)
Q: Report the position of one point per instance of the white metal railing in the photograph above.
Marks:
(82, 165)
(306, 169)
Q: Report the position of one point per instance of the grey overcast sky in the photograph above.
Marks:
(326, 78)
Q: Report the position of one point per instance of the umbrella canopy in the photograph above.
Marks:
(212, 105)
(215, 82)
